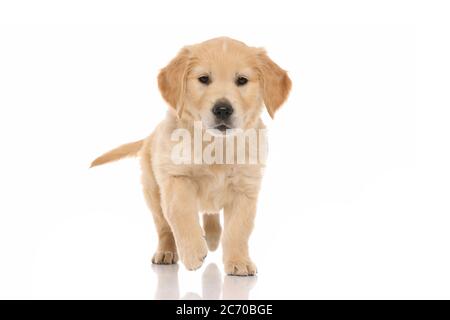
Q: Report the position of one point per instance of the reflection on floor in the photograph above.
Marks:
(213, 287)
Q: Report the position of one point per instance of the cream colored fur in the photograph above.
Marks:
(175, 193)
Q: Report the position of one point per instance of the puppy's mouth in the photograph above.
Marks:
(222, 127)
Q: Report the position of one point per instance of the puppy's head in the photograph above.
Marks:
(223, 83)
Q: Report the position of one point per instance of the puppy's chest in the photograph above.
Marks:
(214, 188)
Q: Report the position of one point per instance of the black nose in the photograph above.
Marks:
(222, 110)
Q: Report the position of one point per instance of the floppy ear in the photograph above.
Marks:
(275, 83)
(172, 81)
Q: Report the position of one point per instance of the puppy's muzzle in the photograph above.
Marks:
(222, 110)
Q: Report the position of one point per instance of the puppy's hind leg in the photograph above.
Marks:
(213, 230)
(166, 253)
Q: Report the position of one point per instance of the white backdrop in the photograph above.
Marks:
(355, 206)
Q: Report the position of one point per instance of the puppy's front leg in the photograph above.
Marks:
(239, 215)
(179, 203)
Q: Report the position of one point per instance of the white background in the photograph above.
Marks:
(355, 201)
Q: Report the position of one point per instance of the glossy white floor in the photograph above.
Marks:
(354, 202)
(388, 241)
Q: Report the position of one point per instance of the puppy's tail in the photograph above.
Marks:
(125, 150)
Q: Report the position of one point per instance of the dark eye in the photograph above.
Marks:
(240, 81)
(204, 79)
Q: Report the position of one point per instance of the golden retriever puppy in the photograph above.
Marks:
(216, 91)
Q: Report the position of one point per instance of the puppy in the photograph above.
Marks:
(216, 89)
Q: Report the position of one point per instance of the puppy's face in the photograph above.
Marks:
(223, 83)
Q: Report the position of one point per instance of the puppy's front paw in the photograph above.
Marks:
(240, 267)
(193, 253)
